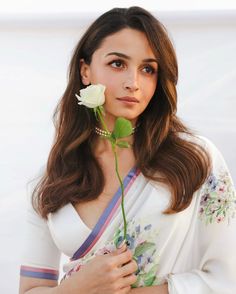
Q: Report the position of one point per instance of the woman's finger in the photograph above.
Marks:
(122, 258)
(129, 268)
(120, 249)
(127, 281)
(125, 290)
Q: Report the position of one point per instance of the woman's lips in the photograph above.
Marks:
(128, 99)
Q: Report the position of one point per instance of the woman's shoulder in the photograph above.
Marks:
(205, 143)
(218, 165)
(196, 138)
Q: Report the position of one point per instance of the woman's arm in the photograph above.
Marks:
(214, 230)
(37, 286)
(106, 274)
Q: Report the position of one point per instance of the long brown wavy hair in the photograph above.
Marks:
(162, 154)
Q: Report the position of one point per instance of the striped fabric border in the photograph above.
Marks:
(106, 216)
(39, 273)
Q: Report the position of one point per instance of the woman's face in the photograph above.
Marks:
(126, 65)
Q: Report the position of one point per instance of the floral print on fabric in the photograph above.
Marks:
(218, 200)
(141, 239)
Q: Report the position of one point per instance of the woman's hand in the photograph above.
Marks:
(107, 274)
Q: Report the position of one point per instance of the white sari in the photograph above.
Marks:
(193, 250)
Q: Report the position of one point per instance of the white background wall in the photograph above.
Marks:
(35, 50)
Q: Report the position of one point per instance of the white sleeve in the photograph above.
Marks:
(216, 231)
(41, 257)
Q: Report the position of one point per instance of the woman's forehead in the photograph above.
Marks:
(126, 41)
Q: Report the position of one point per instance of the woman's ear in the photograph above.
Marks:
(85, 72)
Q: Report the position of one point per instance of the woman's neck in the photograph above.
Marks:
(110, 122)
(102, 145)
(104, 154)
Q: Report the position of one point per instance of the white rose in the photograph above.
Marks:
(92, 96)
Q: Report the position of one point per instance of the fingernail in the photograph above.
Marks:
(122, 244)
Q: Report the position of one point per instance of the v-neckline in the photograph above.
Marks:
(106, 215)
(116, 195)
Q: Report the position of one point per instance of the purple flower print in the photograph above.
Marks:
(129, 241)
(218, 199)
(204, 199)
(212, 182)
(148, 227)
(137, 229)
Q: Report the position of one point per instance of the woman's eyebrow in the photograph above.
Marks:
(128, 57)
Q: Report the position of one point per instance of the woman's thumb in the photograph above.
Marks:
(121, 248)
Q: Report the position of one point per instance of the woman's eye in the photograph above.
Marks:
(149, 69)
(116, 63)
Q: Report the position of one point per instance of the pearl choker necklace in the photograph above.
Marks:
(104, 133)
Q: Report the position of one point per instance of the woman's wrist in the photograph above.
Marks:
(66, 287)
(61, 289)
(73, 284)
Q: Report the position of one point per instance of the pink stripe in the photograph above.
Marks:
(40, 270)
(110, 216)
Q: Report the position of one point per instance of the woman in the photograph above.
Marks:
(179, 197)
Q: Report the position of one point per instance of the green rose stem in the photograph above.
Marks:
(122, 190)
(98, 111)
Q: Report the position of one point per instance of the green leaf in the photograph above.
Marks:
(153, 269)
(135, 258)
(123, 128)
(113, 137)
(123, 144)
(151, 276)
(140, 249)
(136, 284)
(148, 281)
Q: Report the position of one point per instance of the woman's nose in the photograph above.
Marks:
(131, 82)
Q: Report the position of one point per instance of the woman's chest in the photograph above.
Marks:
(91, 211)
(144, 206)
